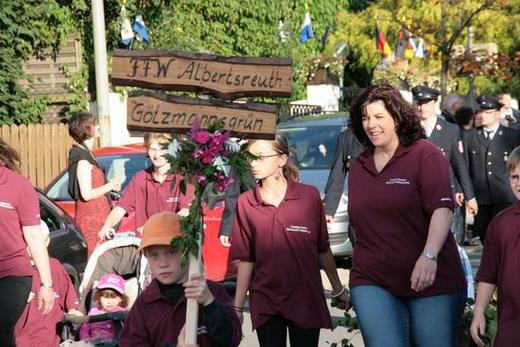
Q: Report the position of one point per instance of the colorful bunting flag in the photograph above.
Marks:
(127, 35)
(420, 51)
(381, 44)
(140, 29)
(306, 29)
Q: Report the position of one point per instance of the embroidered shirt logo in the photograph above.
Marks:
(6, 205)
(172, 199)
(398, 181)
(201, 330)
(298, 229)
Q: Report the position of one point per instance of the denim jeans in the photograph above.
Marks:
(387, 320)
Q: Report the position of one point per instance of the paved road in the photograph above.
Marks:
(327, 337)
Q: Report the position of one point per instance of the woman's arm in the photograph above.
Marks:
(245, 272)
(328, 265)
(114, 217)
(478, 325)
(84, 175)
(36, 243)
(425, 269)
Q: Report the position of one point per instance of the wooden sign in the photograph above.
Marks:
(226, 77)
(156, 112)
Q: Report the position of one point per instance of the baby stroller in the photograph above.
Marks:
(70, 321)
(118, 255)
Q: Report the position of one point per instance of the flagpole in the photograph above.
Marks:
(192, 306)
(100, 55)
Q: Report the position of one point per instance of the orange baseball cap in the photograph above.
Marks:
(160, 229)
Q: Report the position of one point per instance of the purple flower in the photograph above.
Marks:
(223, 182)
(201, 137)
(201, 179)
(207, 157)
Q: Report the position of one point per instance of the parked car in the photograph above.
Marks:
(67, 244)
(121, 163)
(314, 139)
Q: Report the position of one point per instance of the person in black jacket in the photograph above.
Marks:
(489, 146)
(347, 149)
(447, 137)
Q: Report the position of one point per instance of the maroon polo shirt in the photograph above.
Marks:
(390, 212)
(500, 265)
(19, 207)
(35, 329)
(156, 321)
(283, 243)
(146, 197)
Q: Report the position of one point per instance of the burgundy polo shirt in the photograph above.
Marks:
(500, 265)
(19, 207)
(156, 321)
(390, 212)
(283, 243)
(35, 329)
(146, 197)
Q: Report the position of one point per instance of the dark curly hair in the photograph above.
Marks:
(81, 126)
(408, 124)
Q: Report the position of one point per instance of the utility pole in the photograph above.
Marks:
(100, 55)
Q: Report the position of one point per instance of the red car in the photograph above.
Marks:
(121, 163)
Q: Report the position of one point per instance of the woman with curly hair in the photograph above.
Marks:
(407, 283)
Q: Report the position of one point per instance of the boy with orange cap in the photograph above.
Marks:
(158, 314)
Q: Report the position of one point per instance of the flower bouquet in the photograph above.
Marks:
(205, 158)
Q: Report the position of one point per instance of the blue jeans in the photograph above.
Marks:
(387, 320)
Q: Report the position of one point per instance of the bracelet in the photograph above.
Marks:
(46, 285)
(239, 308)
(429, 256)
(338, 294)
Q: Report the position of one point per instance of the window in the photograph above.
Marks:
(315, 146)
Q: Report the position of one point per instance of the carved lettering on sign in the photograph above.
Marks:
(227, 77)
(160, 113)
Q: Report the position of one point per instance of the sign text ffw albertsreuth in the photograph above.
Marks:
(226, 77)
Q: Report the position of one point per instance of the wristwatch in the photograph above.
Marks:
(47, 285)
(430, 256)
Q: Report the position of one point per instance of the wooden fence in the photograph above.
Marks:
(43, 149)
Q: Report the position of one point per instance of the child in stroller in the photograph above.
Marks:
(110, 297)
(130, 282)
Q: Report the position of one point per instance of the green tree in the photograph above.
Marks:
(495, 23)
(26, 28)
(225, 27)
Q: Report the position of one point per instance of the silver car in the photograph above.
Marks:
(314, 139)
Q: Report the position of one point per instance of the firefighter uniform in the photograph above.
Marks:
(487, 157)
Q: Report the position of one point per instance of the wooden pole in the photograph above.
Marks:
(192, 306)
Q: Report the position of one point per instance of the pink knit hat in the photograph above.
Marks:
(112, 281)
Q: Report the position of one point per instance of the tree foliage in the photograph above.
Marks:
(423, 18)
(229, 27)
(26, 28)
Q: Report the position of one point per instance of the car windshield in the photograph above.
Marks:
(315, 145)
(121, 167)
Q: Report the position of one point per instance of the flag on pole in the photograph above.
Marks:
(381, 44)
(420, 51)
(410, 49)
(140, 29)
(127, 35)
(402, 42)
(306, 29)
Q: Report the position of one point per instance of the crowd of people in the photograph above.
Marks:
(413, 174)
